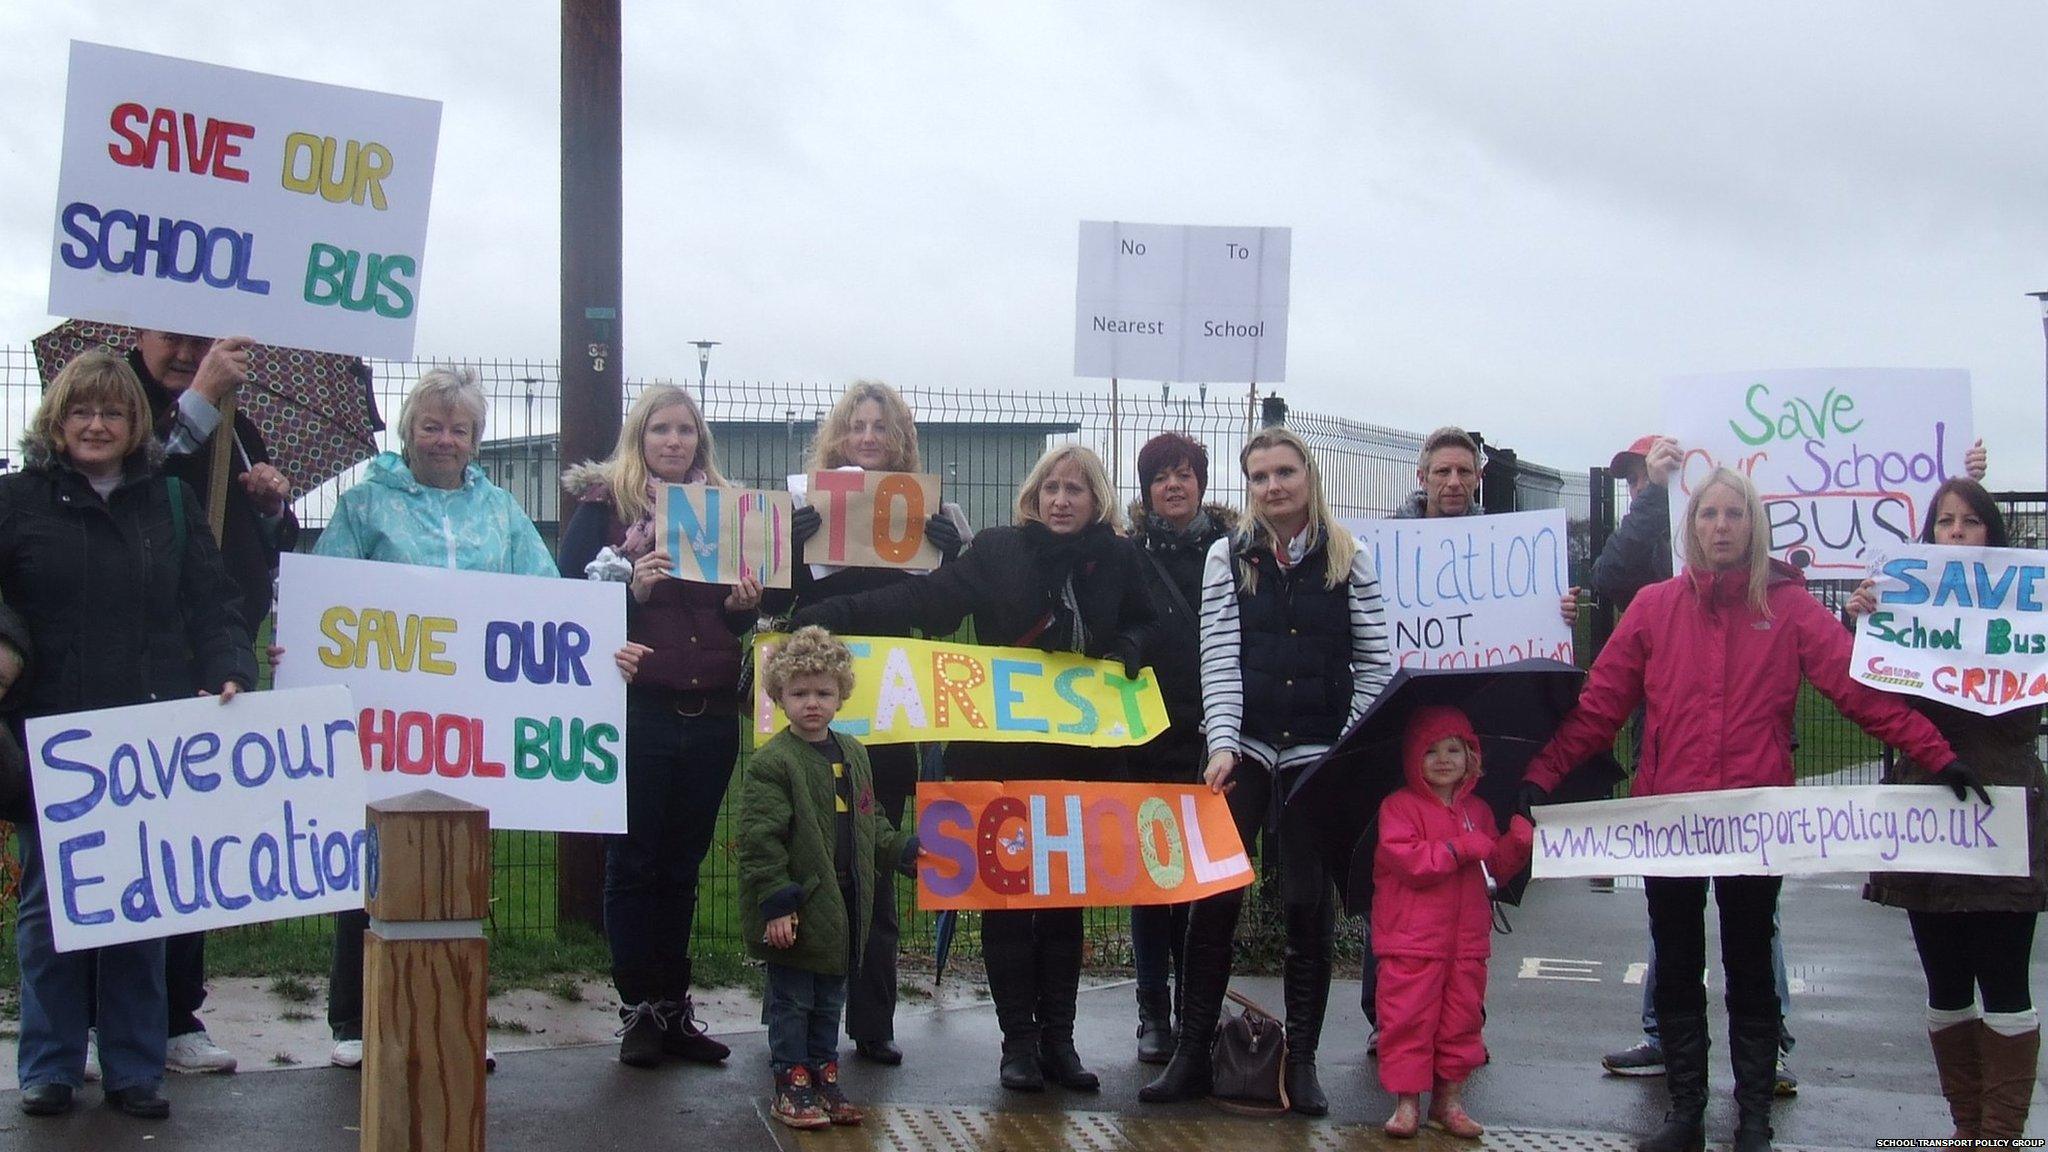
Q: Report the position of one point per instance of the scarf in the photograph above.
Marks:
(640, 533)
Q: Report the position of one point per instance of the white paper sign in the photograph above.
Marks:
(1799, 831)
(1846, 459)
(1472, 591)
(184, 816)
(1182, 302)
(195, 198)
(499, 690)
(1965, 626)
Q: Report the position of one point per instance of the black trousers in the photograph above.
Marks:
(1963, 952)
(871, 994)
(1678, 929)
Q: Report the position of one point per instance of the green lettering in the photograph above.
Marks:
(530, 755)
(1763, 421)
(1997, 637)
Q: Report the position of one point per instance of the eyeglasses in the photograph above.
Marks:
(83, 415)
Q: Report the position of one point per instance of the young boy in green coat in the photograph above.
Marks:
(810, 837)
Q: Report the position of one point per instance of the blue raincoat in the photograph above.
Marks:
(478, 527)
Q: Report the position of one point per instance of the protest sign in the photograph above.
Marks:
(1846, 459)
(499, 690)
(871, 519)
(719, 535)
(1471, 591)
(1180, 302)
(1964, 626)
(161, 819)
(1802, 831)
(910, 690)
(1058, 844)
(196, 198)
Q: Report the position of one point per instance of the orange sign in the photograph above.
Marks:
(1059, 844)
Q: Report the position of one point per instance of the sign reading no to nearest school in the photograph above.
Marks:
(1182, 302)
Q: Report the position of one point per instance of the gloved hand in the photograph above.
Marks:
(1470, 846)
(1125, 652)
(1962, 779)
(940, 530)
(803, 524)
(1531, 795)
(819, 614)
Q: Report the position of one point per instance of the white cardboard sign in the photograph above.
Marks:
(1182, 302)
(1965, 626)
(1472, 591)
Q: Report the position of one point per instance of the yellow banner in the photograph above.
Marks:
(911, 690)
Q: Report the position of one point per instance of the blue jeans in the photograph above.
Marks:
(1777, 971)
(56, 996)
(802, 1009)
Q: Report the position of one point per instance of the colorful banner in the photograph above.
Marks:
(1056, 844)
(1846, 459)
(184, 816)
(1472, 591)
(1964, 626)
(1801, 831)
(1182, 302)
(195, 198)
(499, 690)
(871, 519)
(910, 690)
(720, 535)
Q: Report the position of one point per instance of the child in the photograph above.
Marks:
(810, 836)
(1431, 919)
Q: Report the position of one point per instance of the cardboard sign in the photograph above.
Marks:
(1965, 626)
(1054, 844)
(1179, 302)
(195, 198)
(872, 519)
(911, 690)
(1472, 591)
(1802, 831)
(1846, 460)
(721, 535)
(177, 817)
(499, 690)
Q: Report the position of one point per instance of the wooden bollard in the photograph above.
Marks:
(425, 975)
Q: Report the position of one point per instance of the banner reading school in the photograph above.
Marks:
(1803, 831)
(499, 690)
(1057, 844)
(910, 690)
(1845, 459)
(1965, 626)
(196, 198)
(719, 535)
(189, 815)
(1471, 591)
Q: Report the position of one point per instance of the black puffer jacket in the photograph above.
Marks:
(1296, 641)
(13, 765)
(1172, 563)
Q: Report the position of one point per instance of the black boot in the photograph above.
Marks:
(1006, 951)
(1058, 947)
(1155, 1025)
(640, 1020)
(1205, 978)
(684, 1038)
(1753, 1050)
(1305, 975)
(1685, 1076)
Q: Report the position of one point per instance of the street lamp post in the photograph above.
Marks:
(2041, 298)
(704, 348)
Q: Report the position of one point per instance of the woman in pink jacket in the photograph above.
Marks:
(1714, 656)
(1432, 921)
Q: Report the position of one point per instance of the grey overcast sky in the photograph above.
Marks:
(1516, 216)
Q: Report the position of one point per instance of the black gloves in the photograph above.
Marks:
(1531, 795)
(803, 524)
(1125, 651)
(944, 536)
(1962, 780)
(815, 614)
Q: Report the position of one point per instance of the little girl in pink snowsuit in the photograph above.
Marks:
(1432, 920)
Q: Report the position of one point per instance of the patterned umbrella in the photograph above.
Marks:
(315, 409)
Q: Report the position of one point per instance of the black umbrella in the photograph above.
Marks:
(1515, 708)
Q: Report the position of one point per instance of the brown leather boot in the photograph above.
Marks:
(2009, 1064)
(1958, 1063)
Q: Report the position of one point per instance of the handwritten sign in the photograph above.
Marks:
(1800, 831)
(871, 519)
(1846, 460)
(720, 535)
(183, 816)
(1964, 626)
(910, 690)
(196, 198)
(1055, 844)
(1179, 302)
(1472, 591)
(499, 690)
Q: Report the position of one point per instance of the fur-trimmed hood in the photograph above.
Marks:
(1222, 516)
(589, 482)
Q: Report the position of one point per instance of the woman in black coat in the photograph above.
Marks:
(1060, 580)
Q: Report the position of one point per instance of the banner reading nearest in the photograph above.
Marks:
(161, 819)
(719, 535)
(1057, 844)
(1182, 302)
(1964, 626)
(499, 690)
(871, 519)
(1472, 591)
(1802, 831)
(196, 198)
(910, 690)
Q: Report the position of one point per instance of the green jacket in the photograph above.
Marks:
(785, 840)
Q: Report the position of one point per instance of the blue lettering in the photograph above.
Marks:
(226, 901)
(72, 809)
(689, 538)
(241, 766)
(1087, 719)
(1006, 696)
(1905, 570)
(71, 881)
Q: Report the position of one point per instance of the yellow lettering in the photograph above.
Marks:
(332, 621)
(433, 630)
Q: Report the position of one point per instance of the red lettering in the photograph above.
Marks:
(1974, 686)
(179, 140)
(410, 724)
(988, 853)
(1118, 816)
(163, 133)
(122, 122)
(376, 740)
(836, 486)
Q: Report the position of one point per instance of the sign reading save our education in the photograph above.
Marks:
(722, 535)
(871, 519)
(1472, 591)
(1965, 626)
(176, 817)
(197, 198)
(499, 690)
(910, 690)
(1058, 844)
(1800, 831)
(1181, 302)
(1845, 459)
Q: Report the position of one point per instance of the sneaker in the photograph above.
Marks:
(196, 1052)
(346, 1054)
(1786, 1084)
(796, 1103)
(1645, 1059)
(838, 1108)
(92, 1055)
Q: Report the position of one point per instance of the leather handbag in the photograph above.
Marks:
(1249, 1061)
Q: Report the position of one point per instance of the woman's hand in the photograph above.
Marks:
(745, 595)
(781, 932)
(1568, 607)
(276, 654)
(1976, 461)
(628, 659)
(228, 691)
(648, 571)
(1217, 774)
(1863, 603)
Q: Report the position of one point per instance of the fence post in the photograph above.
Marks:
(425, 975)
